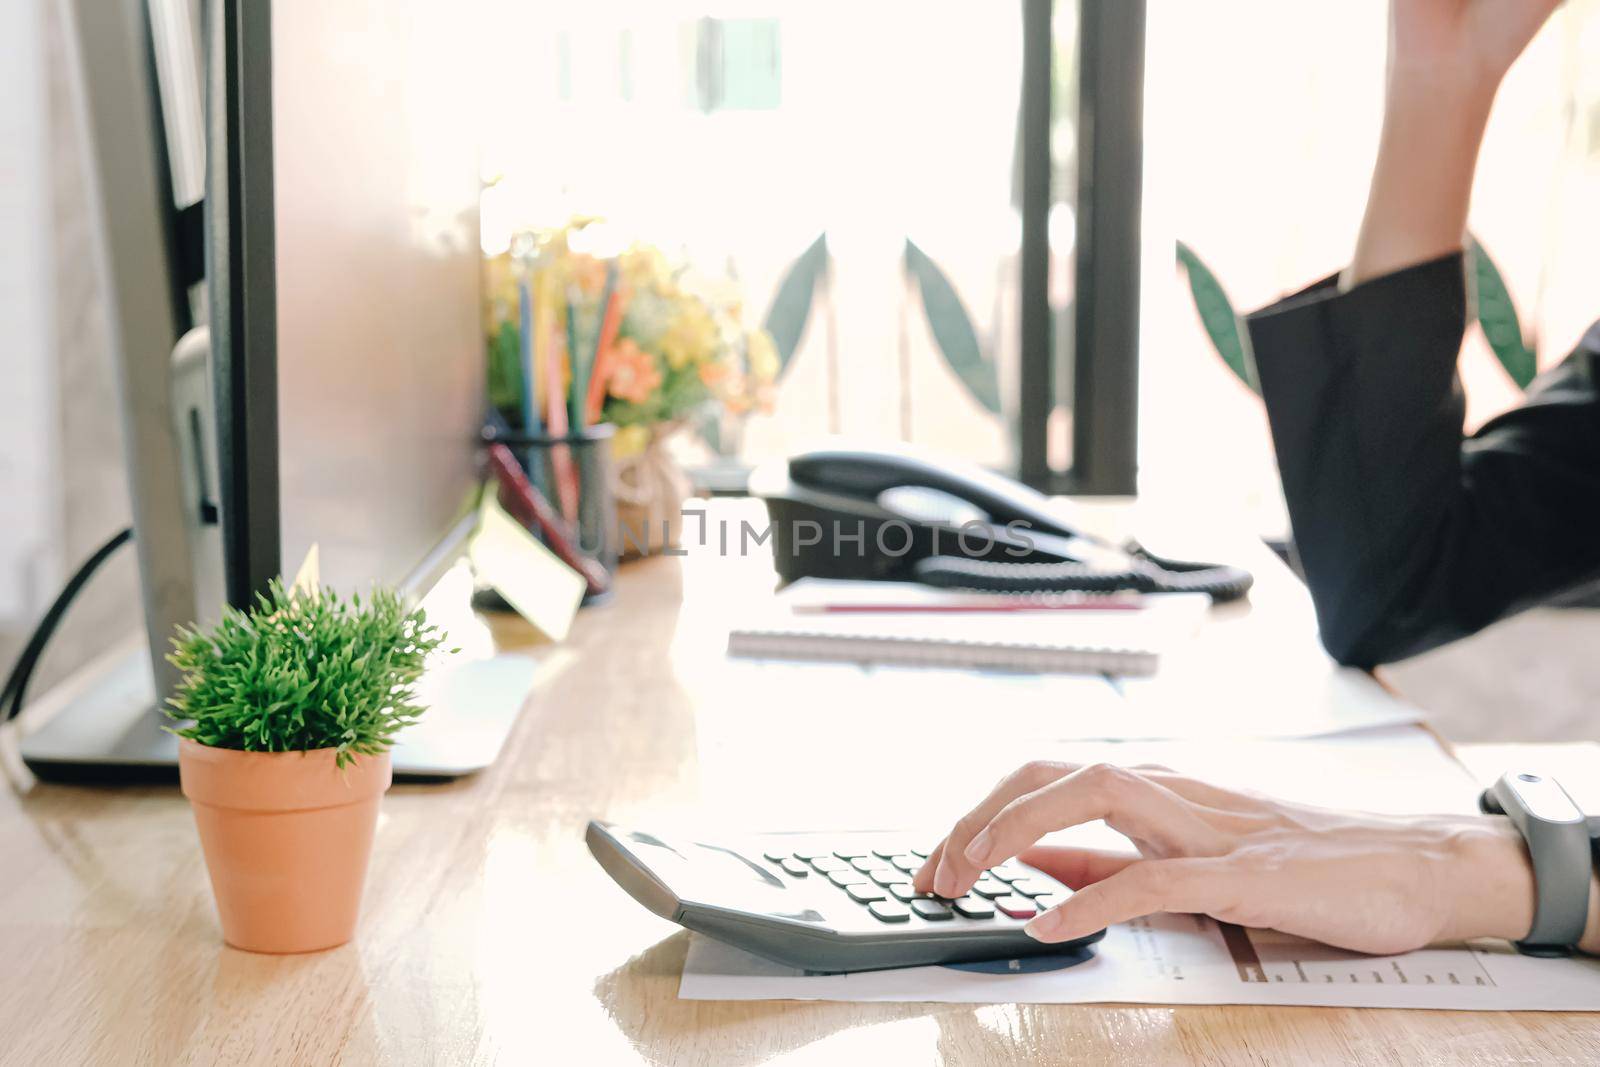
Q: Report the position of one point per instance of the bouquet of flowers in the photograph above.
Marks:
(575, 339)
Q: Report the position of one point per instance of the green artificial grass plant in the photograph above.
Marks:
(301, 671)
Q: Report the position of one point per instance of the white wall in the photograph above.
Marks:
(29, 563)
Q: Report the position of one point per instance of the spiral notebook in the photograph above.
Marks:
(908, 625)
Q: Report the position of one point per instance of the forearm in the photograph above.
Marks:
(1422, 182)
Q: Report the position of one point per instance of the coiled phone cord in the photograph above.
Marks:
(1148, 573)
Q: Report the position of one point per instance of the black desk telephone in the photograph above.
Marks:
(900, 516)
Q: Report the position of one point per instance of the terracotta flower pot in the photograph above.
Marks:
(286, 837)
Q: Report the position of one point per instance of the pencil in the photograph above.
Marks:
(581, 382)
(574, 361)
(562, 469)
(610, 322)
(530, 409)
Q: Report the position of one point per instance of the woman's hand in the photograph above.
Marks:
(1446, 61)
(1372, 883)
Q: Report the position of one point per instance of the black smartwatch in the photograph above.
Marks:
(1559, 843)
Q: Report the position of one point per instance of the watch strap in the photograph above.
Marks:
(1557, 835)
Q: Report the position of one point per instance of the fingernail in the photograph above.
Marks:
(1043, 927)
(978, 851)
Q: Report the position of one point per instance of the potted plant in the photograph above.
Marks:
(287, 713)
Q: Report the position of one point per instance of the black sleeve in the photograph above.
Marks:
(1408, 535)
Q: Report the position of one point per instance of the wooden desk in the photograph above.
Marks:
(490, 936)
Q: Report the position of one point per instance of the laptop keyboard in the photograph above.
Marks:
(879, 879)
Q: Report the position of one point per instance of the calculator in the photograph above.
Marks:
(830, 903)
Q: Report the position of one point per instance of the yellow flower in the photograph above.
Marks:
(691, 336)
(629, 441)
(587, 272)
(762, 356)
(499, 291)
(633, 374)
(645, 267)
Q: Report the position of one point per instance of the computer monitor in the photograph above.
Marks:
(344, 345)
(344, 279)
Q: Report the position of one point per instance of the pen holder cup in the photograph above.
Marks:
(574, 472)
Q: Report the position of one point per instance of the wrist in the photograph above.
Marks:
(1445, 91)
(1421, 182)
(1489, 882)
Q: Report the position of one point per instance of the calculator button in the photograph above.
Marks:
(1032, 887)
(973, 908)
(988, 887)
(887, 878)
(796, 868)
(932, 910)
(1048, 901)
(812, 853)
(868, 863)
(1007, 872)
(865, 894)
(776, 857)
(904, 891)
(887, 852)
(1016, 907)
(889, 911)
(919, 853)
(907, 862)
(843, 879)
(829, 864)
(851, 853)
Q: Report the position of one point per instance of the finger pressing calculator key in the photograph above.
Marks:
(860, 912)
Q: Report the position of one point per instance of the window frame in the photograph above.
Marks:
(1104, 364)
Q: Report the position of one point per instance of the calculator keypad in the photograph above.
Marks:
(879, 879)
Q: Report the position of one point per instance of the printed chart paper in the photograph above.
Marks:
(1182, 959)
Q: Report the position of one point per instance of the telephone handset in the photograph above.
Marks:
(904, 516)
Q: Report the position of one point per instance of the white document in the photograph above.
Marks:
(1323, 700)
(1186, 959)
(1182, 959)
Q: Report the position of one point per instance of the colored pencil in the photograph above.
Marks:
(574, 366)
(605, 343)
(528, 506)
(530, 408)
(565, 474)
(581, 380)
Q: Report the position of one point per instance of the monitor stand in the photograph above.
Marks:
(102, 724)
(109, 730)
